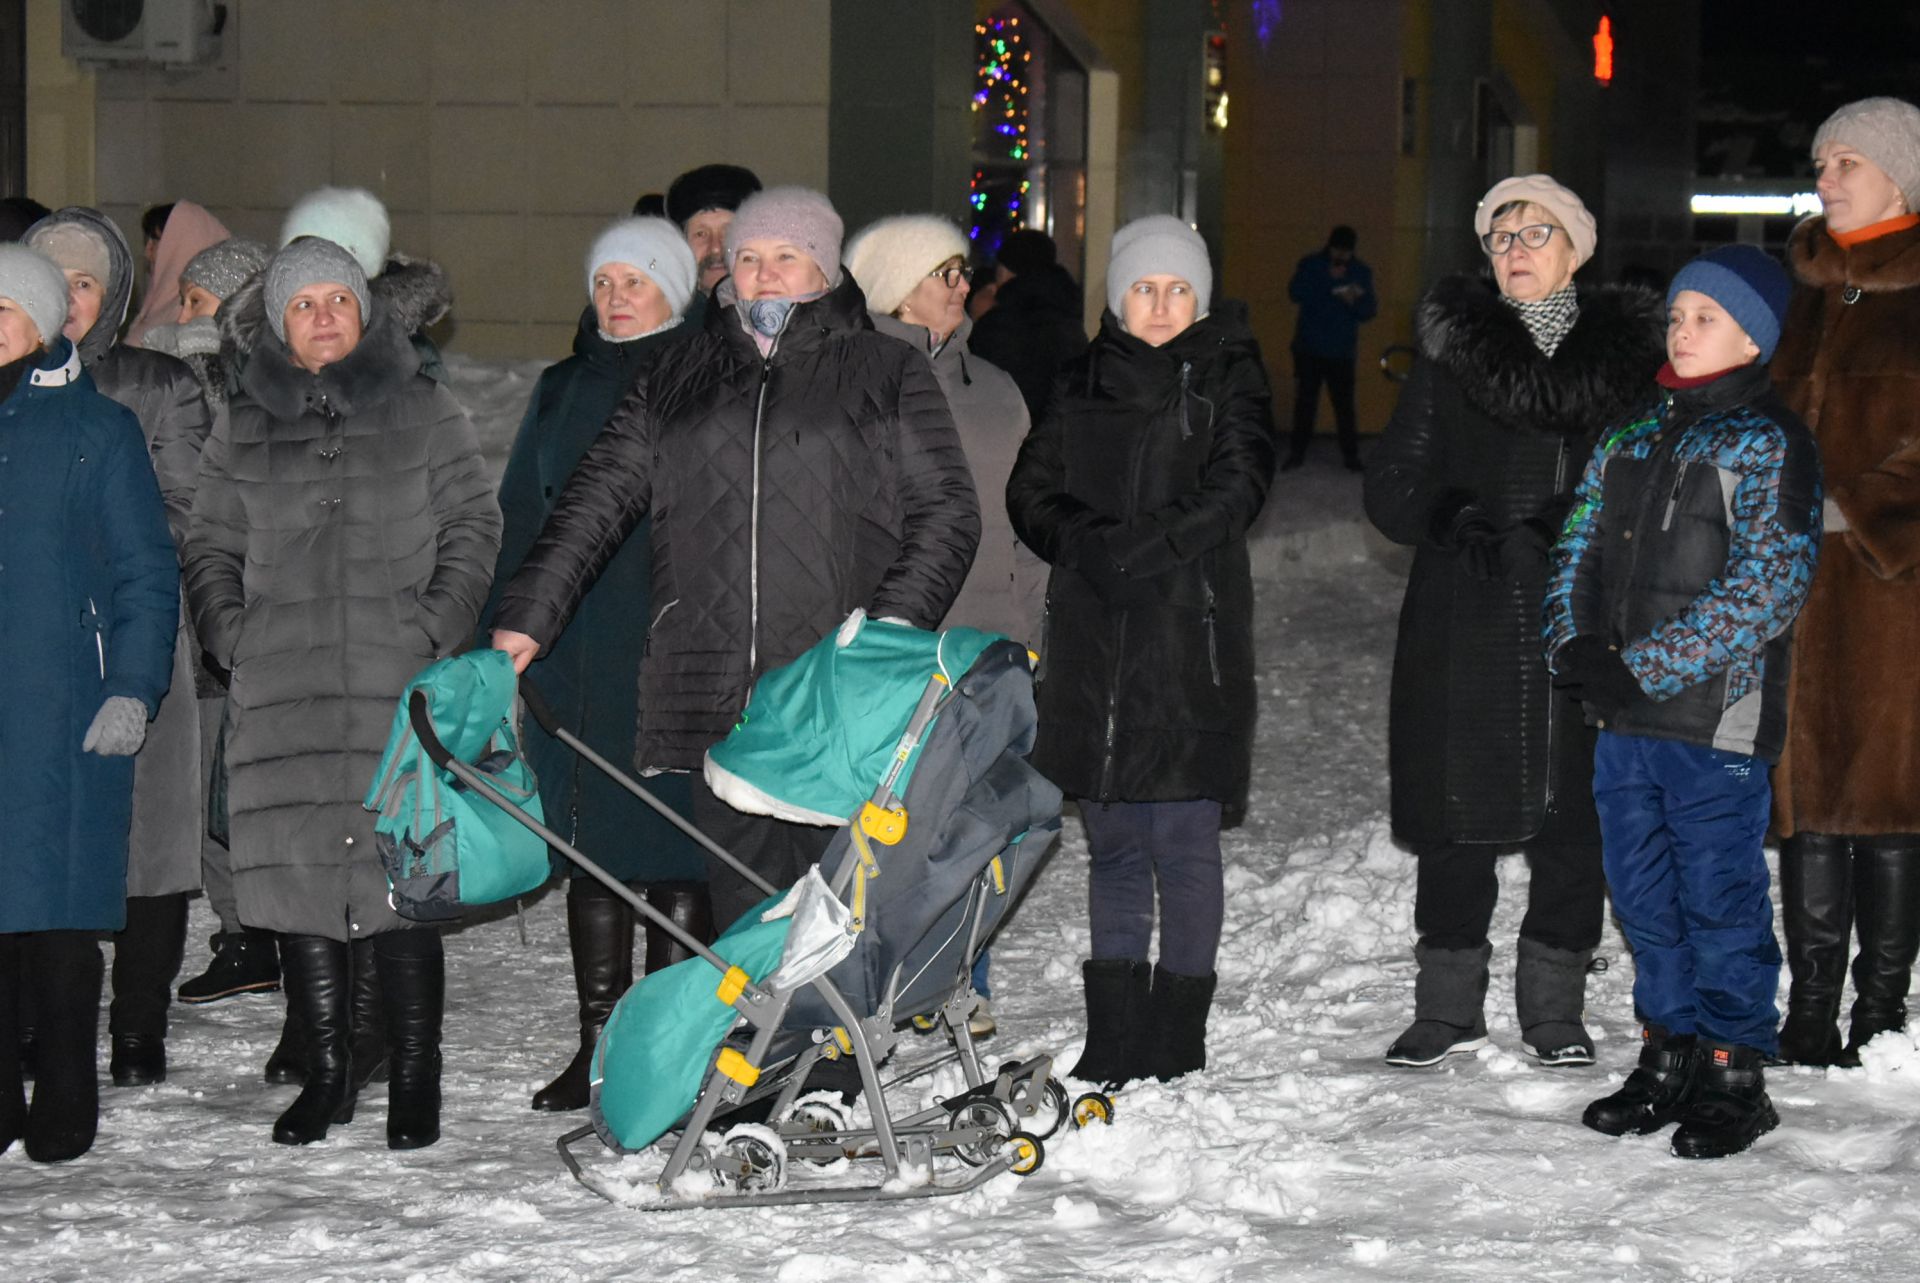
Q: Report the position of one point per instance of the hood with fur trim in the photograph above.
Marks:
(414, 292)
(116, 292)
(1601, 371)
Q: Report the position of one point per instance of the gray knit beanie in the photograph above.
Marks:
(1887, 132)
(657, 248)
(1158, 245)
(222, 268)
(310, 261)
(33, 281)
(797, 216)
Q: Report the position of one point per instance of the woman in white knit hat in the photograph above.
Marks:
(640, 277)
(1139, 487)
(1517, 372)
(1845, 801)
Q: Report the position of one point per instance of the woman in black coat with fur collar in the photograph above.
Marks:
(1515, 380)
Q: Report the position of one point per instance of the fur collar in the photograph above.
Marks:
(414, 291)
(1603, 369)
(379, 366)
(1881, 265)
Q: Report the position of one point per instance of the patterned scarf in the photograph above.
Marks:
(1549, 319)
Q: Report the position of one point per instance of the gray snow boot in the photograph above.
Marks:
(1550, 995)
(1449, 1007)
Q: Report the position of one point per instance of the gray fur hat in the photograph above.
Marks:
(222, 268)
(1887, 132)
(32, 280)
(310, 261)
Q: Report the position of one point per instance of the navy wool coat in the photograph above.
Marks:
(89, 587)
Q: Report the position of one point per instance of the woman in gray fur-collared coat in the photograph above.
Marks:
(343, 537)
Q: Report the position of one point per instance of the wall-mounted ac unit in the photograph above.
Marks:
(169, 33)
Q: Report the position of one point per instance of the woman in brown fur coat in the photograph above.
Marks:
(1847, 791)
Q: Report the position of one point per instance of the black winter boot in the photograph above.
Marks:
(414, 988)
(1886, 889)
(1550, 996)
(367, 1018)
(318, 974)
(1730, 1109)
(1449, 1007)
(66, 971)
(243, 962)
(600, 935)
(1816, 906)
(286, 1063)
(1658, 1091)
(146, 959)
(1176, 1042)
(686, 905)
(13, 1095)
(1119, 996)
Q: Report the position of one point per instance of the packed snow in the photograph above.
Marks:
(1296, 1154)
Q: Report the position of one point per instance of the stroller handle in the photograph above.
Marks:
(537, 705)
(423, 731)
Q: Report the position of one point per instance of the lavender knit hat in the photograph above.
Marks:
(797, 216)
(1887, 132)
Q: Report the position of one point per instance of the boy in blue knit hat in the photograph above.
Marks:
(1689, 552)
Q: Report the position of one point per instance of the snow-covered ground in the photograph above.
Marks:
(1297, 1154)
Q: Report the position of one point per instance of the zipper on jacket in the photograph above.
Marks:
(1113, 708)
(753, 524)
(99, 641)
(1673, 496)
(1213, 647)
(646, 647)
(1186, 376)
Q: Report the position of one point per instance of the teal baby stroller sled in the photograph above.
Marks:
(914, 743)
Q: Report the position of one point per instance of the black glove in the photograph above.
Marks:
(1526, 548)
(1110, 582)
(1592, 671)
(1478, 544)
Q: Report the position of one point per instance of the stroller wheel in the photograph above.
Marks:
(752, 1159)
(1028, 1154)
(816, 1113)
(1093, 1107)
(1053, 1110)
(988, 1123)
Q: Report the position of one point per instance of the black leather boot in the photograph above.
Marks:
(1816, 904)
(1176, 1042)
(367, 1018)
(686, 905)
(1730, 1109)
(146, 959)
(600, 935)
(317, 973)
(65, 970)
(1657, 1092)
(1119, 1007)
(1886, 889)
(414, 990)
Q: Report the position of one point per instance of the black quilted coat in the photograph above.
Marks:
(785, 491)
(1482, 749)
(1160, 459)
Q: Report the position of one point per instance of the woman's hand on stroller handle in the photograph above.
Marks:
(519, 647)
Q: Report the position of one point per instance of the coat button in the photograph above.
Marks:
(349, 841)
(1626, 534)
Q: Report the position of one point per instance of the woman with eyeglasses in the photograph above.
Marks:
(1516, 377)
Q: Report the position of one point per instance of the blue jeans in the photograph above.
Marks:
(1683, 827)
(1135, 845)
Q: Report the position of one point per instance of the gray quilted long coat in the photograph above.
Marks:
(785, 491)
(343, 537)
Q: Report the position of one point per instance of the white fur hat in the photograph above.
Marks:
(892, 256)
(351, 217)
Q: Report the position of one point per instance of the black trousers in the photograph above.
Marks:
(779, 851)
(1457, 888)
(1309, 372)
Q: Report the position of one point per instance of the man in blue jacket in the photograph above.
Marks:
(1335, 292)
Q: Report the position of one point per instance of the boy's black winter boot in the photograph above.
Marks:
(1449, 1006)
(1658, 1090)
(414, 988)
(1176, 1042)
(1730, 1109)
(243, 962)
(1816, 909)
(1886, 877)
(1119, 992)
(318, 974)
(600, 935)
(1550, 996)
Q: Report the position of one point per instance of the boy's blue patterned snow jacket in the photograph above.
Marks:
(1691, 546)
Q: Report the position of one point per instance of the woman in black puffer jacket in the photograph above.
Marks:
(1139, 488)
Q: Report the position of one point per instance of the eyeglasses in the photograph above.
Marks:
(1534, 237)
(951, 276)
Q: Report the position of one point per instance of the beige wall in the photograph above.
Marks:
(500, 133)
(60, 115)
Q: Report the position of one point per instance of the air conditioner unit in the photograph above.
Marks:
(167, 33)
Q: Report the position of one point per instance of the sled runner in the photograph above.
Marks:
(918, 741)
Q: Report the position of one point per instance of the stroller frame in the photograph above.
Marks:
(985, 1126)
